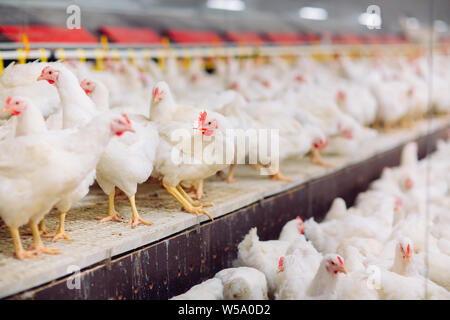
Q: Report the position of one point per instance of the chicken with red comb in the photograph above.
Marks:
(128, 159)
(37, 171)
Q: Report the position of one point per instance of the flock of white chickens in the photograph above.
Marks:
(394, 243)
(67, 124)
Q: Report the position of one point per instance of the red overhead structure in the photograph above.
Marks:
(194, 36)
(127, 35)
(310, 37)
(373, 39)
(48, 34)
(347, 38)
(284, 37)
(244, 37)
(393, 39)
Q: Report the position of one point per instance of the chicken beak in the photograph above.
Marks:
(41, 77)
(130, 128)
(342, 269)
(8, 109)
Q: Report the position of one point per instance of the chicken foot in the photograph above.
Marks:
(188, 207)
(279, 176)
(113, 215)
(18, 248)
(61, 233)
(276, 176)
(38, 247)
(317, 159)
(136, 219)
(190, 200)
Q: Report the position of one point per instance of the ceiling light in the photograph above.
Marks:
(313, 13)
(231, 5)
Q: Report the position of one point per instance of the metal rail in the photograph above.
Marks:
(45, 51)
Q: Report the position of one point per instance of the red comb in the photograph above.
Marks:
(124, 115)
(202, 117)
(408, 249)
(8, 100)
(43, 70)
(340, 260)
(299, 219)
(341, 95)
(156, 91)
(280, 264)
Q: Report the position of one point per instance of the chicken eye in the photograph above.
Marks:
(17, 102)
(209, 122)
(50, 72)
(333, 263)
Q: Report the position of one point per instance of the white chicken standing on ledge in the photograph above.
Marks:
(29, 122)
(42, 169)
(210, 133)
(204, 127)
(128, 159)
(77, 110)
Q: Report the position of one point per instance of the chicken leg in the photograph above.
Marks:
(196, 190)
(38, 247)
(42, 227)
(316, 158)
(61, 233)
(199, 190)
(136, 219)
(230, 177)
(113, 215)
(19, 251)
(185, 203)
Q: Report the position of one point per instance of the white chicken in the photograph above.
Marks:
(401, 280)
(77, 110)
(177, 162)
(296, 283)
(20, 80)
(243, 284)
(62, 159)
(211, 289)
(127, 161)
(29, 118)
(337, 210)
(262, 255)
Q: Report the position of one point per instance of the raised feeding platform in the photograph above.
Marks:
(180, 250)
